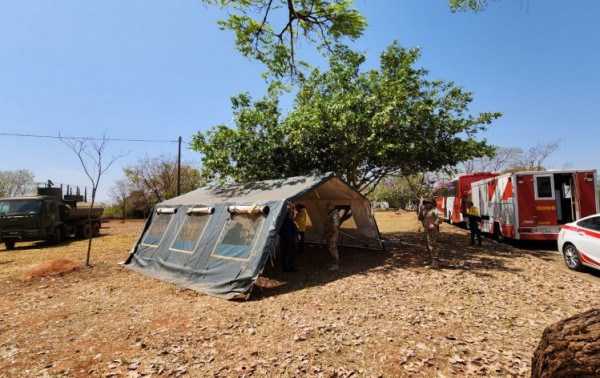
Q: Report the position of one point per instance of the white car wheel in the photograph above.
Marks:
(571, 256)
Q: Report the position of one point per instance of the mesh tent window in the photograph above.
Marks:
(191, 230)
(238, 236)
(159, 226)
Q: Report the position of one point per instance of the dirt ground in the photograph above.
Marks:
(382, 314)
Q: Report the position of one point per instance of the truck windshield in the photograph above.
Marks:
(20, 207)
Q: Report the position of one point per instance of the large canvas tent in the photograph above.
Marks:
(217, 239)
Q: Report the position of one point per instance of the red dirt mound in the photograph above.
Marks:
(50, 268)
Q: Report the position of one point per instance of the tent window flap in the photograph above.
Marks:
(250, 209)
(166, 210)
(200, 210)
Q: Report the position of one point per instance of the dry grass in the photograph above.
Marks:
(383, 314)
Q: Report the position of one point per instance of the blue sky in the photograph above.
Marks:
(157, 70)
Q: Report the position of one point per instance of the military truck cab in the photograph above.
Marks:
(47, 216)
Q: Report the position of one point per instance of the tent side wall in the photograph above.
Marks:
(227, 256)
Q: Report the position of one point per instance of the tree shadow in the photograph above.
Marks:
(454, 253)
(248, 189)
(405, 251)
(44, 244)
(546, 250)
(313, 265)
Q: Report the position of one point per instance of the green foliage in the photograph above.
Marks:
(363, 126)
(269, 30)
(111, 211)
(466, 5)
(258, 141)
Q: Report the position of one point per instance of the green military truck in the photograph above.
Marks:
(47, 216)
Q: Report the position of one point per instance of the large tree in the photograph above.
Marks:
(361, 125)
(270, 31)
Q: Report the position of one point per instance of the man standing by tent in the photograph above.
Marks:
(330, 234)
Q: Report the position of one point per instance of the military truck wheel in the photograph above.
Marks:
(87, 230)
(56, 236)
(96, 231)
(10, 244)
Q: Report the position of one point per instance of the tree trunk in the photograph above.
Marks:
(569, 348)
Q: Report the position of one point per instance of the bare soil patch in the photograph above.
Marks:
(382, 314)
(50, 268)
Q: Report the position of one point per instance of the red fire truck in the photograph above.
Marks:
(532, 205)
(455, 203)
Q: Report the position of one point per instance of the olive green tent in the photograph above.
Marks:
(217, 239)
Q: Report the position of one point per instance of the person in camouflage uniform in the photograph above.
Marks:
(330, 234)
(430, 218)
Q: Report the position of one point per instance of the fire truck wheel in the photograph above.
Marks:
(10, 244)
(571, 255)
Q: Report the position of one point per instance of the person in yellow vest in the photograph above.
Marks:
(474, 220)
(431, 218)
(300, 219)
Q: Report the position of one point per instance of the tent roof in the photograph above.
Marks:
(271, 190)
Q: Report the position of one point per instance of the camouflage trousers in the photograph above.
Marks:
(431, 244)
(333, 250)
